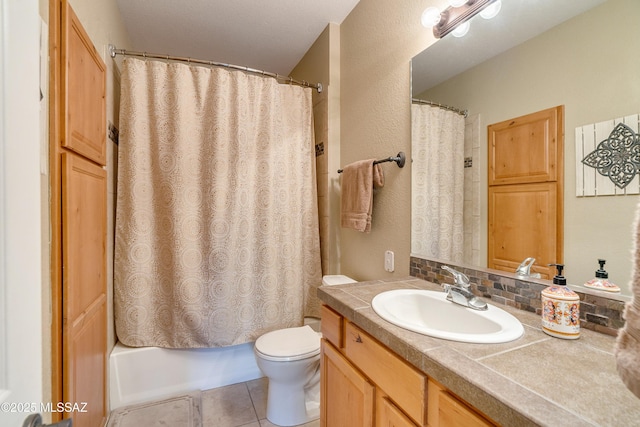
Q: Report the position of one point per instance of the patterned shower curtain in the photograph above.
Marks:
(216, 236)
(437, 209)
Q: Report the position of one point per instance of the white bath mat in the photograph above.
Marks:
(181, 411)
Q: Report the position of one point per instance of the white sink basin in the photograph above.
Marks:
(429, 313)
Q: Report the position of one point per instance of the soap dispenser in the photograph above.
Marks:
(601, 282)
(560, 308)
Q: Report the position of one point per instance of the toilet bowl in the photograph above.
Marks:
(290, 359)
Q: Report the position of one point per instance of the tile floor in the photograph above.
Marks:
(243, 404)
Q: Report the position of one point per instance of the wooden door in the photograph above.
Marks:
(346, 397)
(84, 217)
(525, 213)
(78, 217)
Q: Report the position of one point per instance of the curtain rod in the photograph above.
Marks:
(464, 113)
(113, 51)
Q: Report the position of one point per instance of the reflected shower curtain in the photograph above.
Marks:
(437, 229)
(216, 224)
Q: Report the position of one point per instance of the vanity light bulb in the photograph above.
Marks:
(430, 17)
(457, 3)
(491, 10)
(461, 29)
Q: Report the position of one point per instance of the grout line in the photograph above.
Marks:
(253, 404)
(513, 348)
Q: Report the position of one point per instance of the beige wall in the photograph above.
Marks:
(589, 65)
(378, 40)
(321, 64)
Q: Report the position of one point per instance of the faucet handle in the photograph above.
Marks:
(459, 279)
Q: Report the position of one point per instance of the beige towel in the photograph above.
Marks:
(358, 181)
(627, 350)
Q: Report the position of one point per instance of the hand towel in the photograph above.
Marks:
(627, 350)
(358, 181)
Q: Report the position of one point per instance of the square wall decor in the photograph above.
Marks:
(608, 157)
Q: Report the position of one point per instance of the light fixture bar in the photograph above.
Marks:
(451, 17)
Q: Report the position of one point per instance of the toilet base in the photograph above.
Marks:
(294, 409)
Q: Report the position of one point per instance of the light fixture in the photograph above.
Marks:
(491, 10)
(461, 30)
(430, 17)
(455, 18)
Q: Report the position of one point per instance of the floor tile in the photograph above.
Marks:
(237, 405)
(258, 391)
(228, 406)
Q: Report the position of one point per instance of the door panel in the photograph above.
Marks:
(84, 213)
(523, 223)
(524, 149)
(526, 187)
(84, 87)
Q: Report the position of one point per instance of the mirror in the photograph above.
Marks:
(583, 59)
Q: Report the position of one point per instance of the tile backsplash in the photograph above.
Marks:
(597, 313)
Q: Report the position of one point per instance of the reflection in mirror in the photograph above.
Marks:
(586, 63)
(437, 184)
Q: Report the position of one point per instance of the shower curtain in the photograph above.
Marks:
(216, 236)
(437, 229)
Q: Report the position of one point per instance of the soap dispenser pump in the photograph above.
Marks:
(560, 308)
(601, 282)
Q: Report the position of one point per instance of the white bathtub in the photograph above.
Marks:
(145, 374)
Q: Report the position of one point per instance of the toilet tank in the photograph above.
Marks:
(337, 279)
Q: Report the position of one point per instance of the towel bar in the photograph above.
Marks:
(399, 159)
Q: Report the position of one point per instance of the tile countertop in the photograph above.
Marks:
(534, 380)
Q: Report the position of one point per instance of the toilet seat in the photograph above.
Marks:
(285, 345)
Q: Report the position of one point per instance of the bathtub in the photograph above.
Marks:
(144, 374)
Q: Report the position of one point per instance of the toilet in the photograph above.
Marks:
(290, 359)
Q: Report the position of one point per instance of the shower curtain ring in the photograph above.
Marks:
(144, 55)
(290, 80)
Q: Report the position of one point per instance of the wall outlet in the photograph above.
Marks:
(389, 261)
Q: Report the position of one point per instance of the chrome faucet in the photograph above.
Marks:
(524, 269)
(459, 292)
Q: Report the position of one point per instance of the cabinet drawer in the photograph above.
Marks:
(331, 326)
(401, 382)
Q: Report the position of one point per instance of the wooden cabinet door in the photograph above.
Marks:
(389, 415)
(446, 410)
(526, 189)
(84, 317)
(347, 398)
(83, 80)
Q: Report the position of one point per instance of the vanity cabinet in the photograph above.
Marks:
(363, 383)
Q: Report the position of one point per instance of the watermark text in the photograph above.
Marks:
(43, 407)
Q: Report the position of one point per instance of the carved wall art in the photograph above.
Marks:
(612, 149)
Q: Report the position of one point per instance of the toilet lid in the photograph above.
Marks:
(290, 343)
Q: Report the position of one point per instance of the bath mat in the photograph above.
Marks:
(181, 411)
